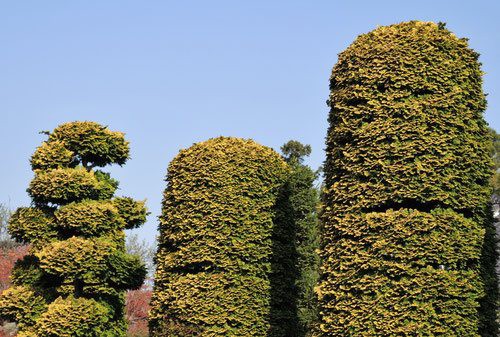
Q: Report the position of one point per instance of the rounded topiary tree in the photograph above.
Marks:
(406, 200)
(215, 247)
(73, 281)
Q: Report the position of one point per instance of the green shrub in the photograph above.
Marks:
(74, 278)
(407, 188)
(215, 244)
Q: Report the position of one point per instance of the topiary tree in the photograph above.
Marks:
(406, 200)
(215, 246)
(299, 266)
(73, 280)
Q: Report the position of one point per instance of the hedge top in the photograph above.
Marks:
(406, 105)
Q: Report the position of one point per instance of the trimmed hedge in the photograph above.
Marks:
(74, 278)
(215, 245)
(407, 188)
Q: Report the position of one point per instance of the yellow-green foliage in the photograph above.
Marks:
(406, 195)
(92, 143)
(89, 217)
(25, 224)
(75, 317)
(65, 185)
(76, 259)
(51, 155)
(22, 305)
(215, 248)
(77, 269)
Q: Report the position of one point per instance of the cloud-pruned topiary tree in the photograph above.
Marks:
(73, 281)
(215, 246)
(406, 201)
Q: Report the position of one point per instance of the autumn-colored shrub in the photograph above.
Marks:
(8, 257)
(137, 308)
(406, 201)
(215, 245)
(73, 281)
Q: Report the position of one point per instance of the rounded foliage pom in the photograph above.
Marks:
(133, 213)
(35, 226)
(74, 317)
(126, 271)
(215, 247)
(405, 204)
(62, 186)
(93, 143)
(22, 305)
(89, 218)
(52, 155)
(76, 258)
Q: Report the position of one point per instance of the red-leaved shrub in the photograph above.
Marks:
(137, 307)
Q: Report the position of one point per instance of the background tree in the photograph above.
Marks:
(301, 221)
(136, 311)
(10, 252)
(137, 300)
(6, 242)
(144, 250)
(406, 201)
(215, 245)
(73, 280)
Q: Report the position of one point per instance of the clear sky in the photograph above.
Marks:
(171, 73)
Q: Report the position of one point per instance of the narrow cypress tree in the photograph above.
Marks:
(406, 202)
(215, 246)
(73, 281)
(301, 215)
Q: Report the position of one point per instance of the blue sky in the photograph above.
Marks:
(171, 73)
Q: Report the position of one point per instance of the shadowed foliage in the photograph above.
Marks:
(296, 269)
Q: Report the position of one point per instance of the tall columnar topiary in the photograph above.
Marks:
(406, 203)
(301, 274)
(73, 281)
(215, 247)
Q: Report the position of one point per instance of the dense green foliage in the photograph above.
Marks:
(406, 200)
(215, 247)
(495, 153)
(298, 269)
(72, 282)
